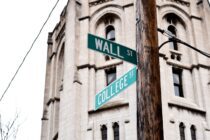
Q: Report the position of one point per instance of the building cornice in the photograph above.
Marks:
(97, 2)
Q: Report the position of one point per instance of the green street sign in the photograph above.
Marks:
(115, 88)
(111, 48)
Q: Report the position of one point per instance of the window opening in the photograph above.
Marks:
(172, 31)
(116, 131)
(177, 79)
(104, 132)
(193, 132)
(172, 19)
(182, 131)
(110, 75)
(110, 35)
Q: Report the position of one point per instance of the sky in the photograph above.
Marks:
(20, 23)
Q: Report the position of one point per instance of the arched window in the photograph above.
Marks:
(182, 131)
(103, 132)
(116, 131)
(193, 132)
(174, 25)
(172, 19)
(172, 31)
(110, 35)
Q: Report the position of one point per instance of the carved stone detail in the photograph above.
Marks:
(97, 2)
(181, 2)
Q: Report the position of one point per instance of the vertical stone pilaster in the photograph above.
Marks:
(69, 121)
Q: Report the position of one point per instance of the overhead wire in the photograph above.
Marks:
(24, 58)
(172, 38)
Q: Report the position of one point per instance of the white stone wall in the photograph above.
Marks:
(83, 74)
(192, 109)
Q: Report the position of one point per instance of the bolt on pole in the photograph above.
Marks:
(149, 107)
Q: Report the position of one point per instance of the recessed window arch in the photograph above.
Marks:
(182, 131)
(108, 26)
(193, 132)
(174, 23)
(174, 19)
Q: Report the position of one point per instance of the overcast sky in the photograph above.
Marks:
(20, 22)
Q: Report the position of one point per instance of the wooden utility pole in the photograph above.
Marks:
(149, 109)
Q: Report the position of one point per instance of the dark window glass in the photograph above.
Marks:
(110, 75)
(172, 31)
(110, 33)
(182, 131)
(177, 79)
(172, 19)
(104, 132)
(193, 132)
(116, 131)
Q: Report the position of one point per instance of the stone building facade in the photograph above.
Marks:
(75, 74)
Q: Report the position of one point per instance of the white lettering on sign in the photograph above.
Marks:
(118, 52)
(105, 95)
(106, 47)
(129, 53)
(111, 51)
(98, 44)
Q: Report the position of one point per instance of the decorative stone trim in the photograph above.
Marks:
(89, 129)
(52, 100)
(109, 107)
(175, 55)
(128, 5)
(181, 2)
(117, 62)
(76, 78)
(195, 17)
(97, 2)
(49, 40)
(53, 54)
(78, 2)
(86, 66)
(199, 2)
(127, 121)
(83, 18)
(200, 66)
(61, 33)
(187, 107)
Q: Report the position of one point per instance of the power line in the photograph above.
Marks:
(172, 38)
(37, 36)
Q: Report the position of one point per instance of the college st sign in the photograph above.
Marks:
(115, 88)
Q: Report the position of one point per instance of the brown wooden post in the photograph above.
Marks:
(149, 109)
